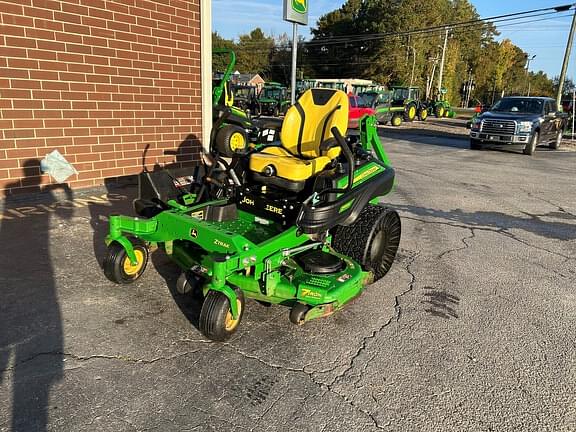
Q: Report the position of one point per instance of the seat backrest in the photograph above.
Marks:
(309, 121)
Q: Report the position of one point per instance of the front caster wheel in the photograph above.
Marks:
(118, 267)
(216, 321)
(298, 312)
(189, 283)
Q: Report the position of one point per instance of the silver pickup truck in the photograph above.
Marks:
(516, 120)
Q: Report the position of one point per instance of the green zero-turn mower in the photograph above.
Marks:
(296, 222)
(238, 129)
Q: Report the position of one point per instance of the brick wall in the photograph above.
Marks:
(98, 80)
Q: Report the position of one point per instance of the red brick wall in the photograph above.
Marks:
(98, 80)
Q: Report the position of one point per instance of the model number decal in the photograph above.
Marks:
(309, 293)
(221, 243)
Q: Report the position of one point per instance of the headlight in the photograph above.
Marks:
(525, 126)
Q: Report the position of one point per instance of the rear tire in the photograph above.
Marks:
(216, 322)
(531, 146)
(410, 113)
(555, 145)
(231, 139)
(475, 144)
(372, 240)
(423, 114)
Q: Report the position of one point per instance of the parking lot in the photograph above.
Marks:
(472, 329)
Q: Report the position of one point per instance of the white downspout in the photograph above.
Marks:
(206, 70)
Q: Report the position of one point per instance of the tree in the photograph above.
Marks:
(253, 52)
(219, 62)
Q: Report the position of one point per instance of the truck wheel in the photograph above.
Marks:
(423, 114)
(410, 113)
(531, 146)
(475, 144)
(372, 240)
(117, 265)
(396, 120)
(555, 145)
(216, 322)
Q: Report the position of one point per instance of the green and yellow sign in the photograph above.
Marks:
(300, 6)
(296, 11)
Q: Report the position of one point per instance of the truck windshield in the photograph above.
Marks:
(521, 105)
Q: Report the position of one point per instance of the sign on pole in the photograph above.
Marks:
(296, 11)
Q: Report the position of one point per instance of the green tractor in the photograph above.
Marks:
(381, 102)
(246, 99)
(273, 99)
(297, 222)
(409, 99)
(238, 129)
(440, 106)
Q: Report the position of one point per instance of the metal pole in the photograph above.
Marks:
(294, 57)
(413, 65)
(573, 110)
(566, 59)
(442, 62)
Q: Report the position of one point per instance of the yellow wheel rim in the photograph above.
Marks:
(237, 141)
(441, 112)
(424, 114)
(130, 269)
(231, 323)
(412, 112)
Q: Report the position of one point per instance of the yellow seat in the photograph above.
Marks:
(307, 125)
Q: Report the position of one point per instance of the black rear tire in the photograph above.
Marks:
(372, 240)
(555, 145)
(216, 322)
(475, 144)
(117, 266)
(231, 139)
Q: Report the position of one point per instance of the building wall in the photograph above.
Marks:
(99, 80)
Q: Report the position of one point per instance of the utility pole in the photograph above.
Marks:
(528, 60)
(413, 64)
(442, 61)
(565, 62)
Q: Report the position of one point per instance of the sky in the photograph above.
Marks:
(545, 39)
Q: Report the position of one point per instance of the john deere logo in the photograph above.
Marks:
(193, 233)
(300, 6)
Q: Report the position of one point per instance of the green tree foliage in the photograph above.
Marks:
(472, 52)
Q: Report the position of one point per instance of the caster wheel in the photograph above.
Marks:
(189, 284)
(117, 265)
(298, 312)
(216, 321)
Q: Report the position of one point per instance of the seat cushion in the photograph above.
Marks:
(287, 166)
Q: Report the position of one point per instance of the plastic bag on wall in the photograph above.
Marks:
(57, 166)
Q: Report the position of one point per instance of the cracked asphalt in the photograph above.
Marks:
(472, 329)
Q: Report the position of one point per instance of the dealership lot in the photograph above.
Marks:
(473, 329)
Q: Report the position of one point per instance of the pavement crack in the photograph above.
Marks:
(463, 240)
(500, 231)
(117, 357)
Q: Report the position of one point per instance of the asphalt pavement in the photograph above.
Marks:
(472, 329)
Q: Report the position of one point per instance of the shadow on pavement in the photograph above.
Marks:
(532, 223)
(31, 339)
